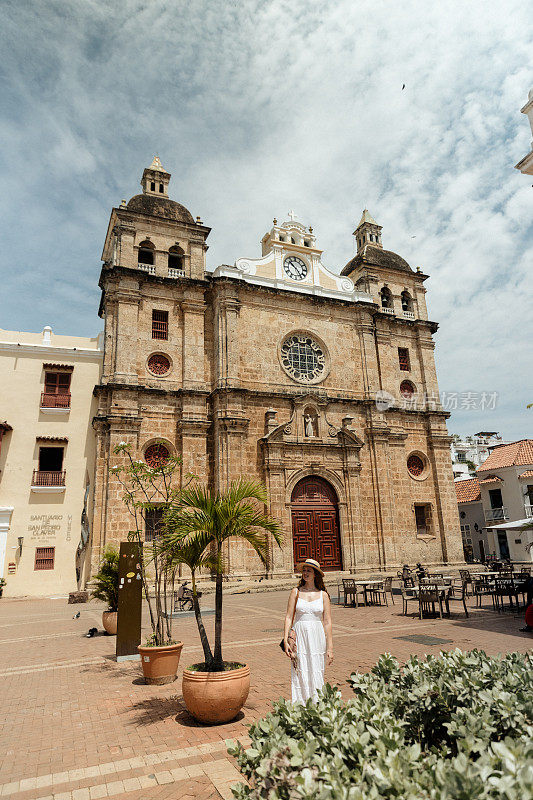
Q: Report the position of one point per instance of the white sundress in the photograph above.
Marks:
(308, 677)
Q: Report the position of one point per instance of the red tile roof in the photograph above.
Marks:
(509, 455)
(527, 474)
(491, 479)
(467, 491)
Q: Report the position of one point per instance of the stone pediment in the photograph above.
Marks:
(271, 271)
(309, 425)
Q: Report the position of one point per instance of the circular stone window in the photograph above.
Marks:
(407, 389)
(415, 465)
(303, 358)
(159, 364)
(156, 455)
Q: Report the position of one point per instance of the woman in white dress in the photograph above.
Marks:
(309, 618)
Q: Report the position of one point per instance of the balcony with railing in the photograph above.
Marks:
(408, 314)
(176, 272)
(528, 508)
(387, 310)
(150, 268)
(55, 402)
(496, 514)
(48, 481)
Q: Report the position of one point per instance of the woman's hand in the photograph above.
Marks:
(288, 651)
(329, 656)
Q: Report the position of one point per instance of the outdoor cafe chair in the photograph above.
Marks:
(350, 590)
(481, 587)
(387, 585)
(378, 591)
(408, 594)
(466, 575)
(456, 593)
(429, 594)
(504, 587)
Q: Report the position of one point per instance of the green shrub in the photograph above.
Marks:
(454, 727)
(104, 585)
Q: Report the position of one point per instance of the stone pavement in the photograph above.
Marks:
(79, 726)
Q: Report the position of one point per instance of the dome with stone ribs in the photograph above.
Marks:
(164, 207)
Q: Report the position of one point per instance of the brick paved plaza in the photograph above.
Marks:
(79, 726)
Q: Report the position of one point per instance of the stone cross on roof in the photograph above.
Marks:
(292, 216)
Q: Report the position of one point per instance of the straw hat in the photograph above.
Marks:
(310, 562)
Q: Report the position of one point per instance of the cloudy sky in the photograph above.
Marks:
(259, 106)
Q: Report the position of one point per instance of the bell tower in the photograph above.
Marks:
(155, 180)
(367, 232)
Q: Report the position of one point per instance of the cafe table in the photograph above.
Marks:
(367, 585)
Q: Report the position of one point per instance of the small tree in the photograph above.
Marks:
(200, 523)
(105, 582)
(146, 489)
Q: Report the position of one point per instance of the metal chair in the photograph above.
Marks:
(481, 587)
(350, 590)
(466, 575)
(429, 594)
(408, 593)
(454, 593)
(378, 591)
(387, 585)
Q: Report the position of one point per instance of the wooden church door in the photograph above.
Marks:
(315, 523)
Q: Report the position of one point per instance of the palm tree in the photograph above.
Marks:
(200, 520)
(193, 554)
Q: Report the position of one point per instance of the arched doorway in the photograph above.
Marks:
(315, 523)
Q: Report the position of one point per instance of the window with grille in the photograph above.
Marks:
(44, 557)
(152, 524)
(403, 358)
(159, 324)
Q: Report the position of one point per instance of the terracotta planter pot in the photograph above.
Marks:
(109, 621)
(215, 697)
(160, 664)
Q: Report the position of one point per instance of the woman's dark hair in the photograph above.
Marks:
(319, 581)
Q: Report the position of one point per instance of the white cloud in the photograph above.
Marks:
(263, 105)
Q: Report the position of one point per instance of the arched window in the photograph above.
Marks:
(407, 301)
(146, 252)
(386, 297)
(175, 257)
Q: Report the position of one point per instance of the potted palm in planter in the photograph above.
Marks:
(198, 523)
(104, 586)
(150, 488)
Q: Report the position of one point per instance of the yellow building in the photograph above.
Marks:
(46, 459)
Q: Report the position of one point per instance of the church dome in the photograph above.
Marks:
(377, 257)
(160, 207)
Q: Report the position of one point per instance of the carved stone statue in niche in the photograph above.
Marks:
(310, 422)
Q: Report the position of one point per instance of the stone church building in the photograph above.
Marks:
(323, 386)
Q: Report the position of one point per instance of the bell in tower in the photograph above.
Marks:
(367, 232)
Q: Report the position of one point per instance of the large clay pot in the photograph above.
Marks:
(109, 621)
(160, 664)
(215, 697)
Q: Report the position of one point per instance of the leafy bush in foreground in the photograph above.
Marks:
(454, 727)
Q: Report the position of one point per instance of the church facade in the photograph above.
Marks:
(322, 386)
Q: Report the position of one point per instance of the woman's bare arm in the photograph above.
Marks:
(326, 619)
(288, 619)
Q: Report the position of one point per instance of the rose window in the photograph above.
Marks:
(407, 389)
(156, 455)
(302, 358)
(415, 465)
(159, 364)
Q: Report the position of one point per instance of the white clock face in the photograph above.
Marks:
(295, 268)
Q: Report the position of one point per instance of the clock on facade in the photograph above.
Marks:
(295, 268)
(303, 358)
